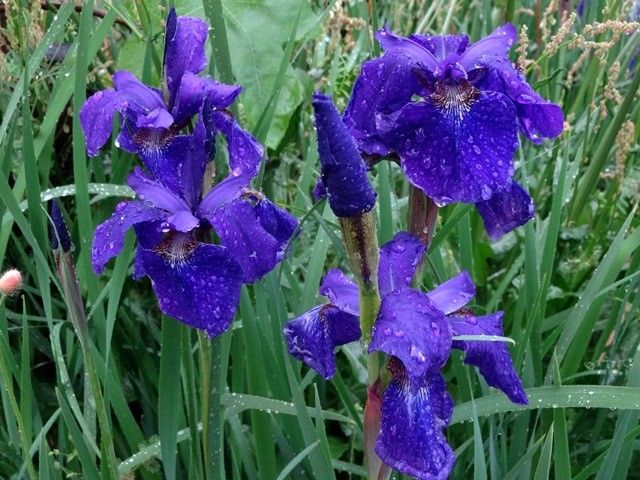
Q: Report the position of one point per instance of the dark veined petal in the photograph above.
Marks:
(411, 328)
(344, 173)
(313, 336)
(201, 290)
(453, 294)
(192, 92)
(248, 234)
(506, 210)
(185, 39)
(154, 193)
(411, 433)
(108, 238)
(492, 357)
(245, 152)
(494, 46)
(96, 118)
(385, 84)
(458, 154)
(341, 291)
(399, 259)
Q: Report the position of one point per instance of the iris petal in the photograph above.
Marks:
(471, 155)
(340, 291)
(411, 438)
(506, 210)
(453, 294)
(491, 357)
(154, 193)
(202, 291)
(96, 118)
(108, 238)
(399, 259)
(411, 328)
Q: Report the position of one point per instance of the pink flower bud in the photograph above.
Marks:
(10, 282)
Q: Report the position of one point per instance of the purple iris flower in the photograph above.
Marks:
(194, 280)
(456, 142)
(152, 118)
(417, 331)
(344, 174)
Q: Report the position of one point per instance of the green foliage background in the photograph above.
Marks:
(568, 281)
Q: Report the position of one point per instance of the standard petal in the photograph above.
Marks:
(411, 328)
(384, 85)
(183, 50)
(454, 154)
(96, 118)
(243, 232)
(506, 210)
(201, 290)
(108, 238)
(411, 432)
(444, 47)
(491, 357)
(344, 173)
(399, 259)
(245, 152)
(340, 291)
(495, 46)
(453, 294)
(313, 336)
(154, 193)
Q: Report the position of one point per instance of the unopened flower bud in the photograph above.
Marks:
(10, 282)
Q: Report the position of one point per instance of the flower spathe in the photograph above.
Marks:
(196, 281)
(417, 331)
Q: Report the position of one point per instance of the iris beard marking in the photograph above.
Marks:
(454, 97)
(176, 247)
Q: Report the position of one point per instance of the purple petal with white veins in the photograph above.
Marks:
(399, 259)
(411, 432)
(108, 238)
(506, 210)
(344, 173)
(453, 294)
(155, 193)
(96, 118)
(491, 357)
(471, 155)
(184, 50)
(201, 290)
(313, 336)
(242, 232)
(411, 328)
(341, 291)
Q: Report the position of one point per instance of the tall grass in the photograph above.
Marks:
(180, 405)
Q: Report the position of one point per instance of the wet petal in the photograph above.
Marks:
(506, 210)
(453, 294)
(384, 85)
(340, 291)
(192, 92)
(411, 433)
(183, 221)
(492, 358)
(344, 173)
(494, 46)
(399, 259)
(471, 156)
(245, 152)
(144, 105)
(202, 291)
(224, 192)
(411, 328)
(154, 193)
(183, 51)
(108, 238)
(277, 222)
(249, 237)
(96, 118)
(443, 47)
(312, 337)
